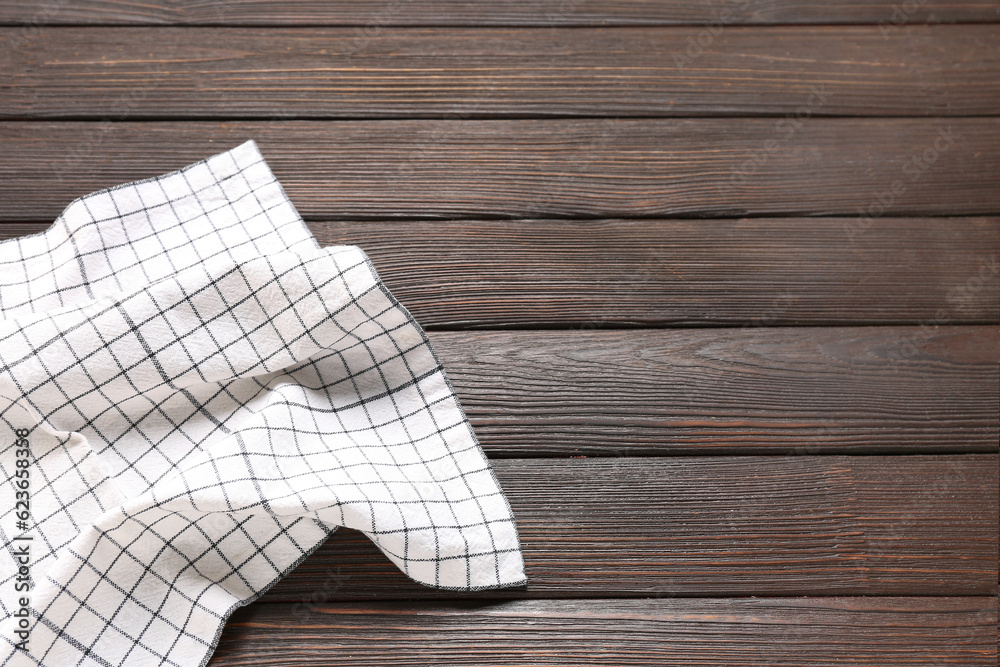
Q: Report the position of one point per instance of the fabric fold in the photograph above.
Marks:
(206, 395)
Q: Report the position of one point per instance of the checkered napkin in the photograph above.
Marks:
(193, 396)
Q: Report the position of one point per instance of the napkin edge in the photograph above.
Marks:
(475, 439)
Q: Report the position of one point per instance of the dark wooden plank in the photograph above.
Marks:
(597, 273)
(574, 633)
(376, 14)
(538, 168)
(753, 390)
(756, 271)
(640, 527)
(81, 73)
(606, 273)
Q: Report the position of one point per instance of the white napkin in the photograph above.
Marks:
(199, 396)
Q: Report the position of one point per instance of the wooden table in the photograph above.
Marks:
(717, 283)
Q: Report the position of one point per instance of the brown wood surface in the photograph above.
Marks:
(721, 391)
(537, 168)
(375, 14)
(757, 272)
(572, 633)
(726, 343)
(943, 70)
(748, 272)
(695, 526)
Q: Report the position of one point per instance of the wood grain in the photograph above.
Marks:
(664, 527)
(800, 71)
(376, 14)
(570, 633)
(561, 168)
(757, 271)
(537, 168)
(724, 391)
(610, 273)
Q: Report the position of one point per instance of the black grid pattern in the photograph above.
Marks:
(209, 396)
